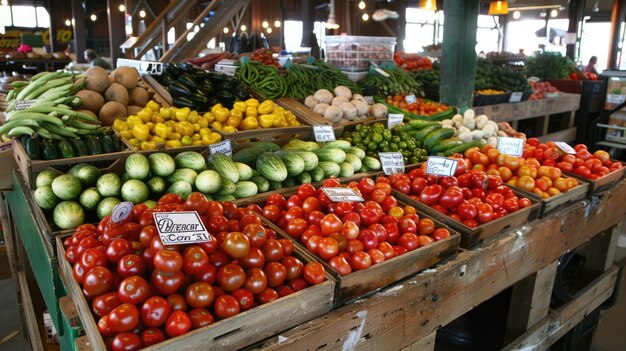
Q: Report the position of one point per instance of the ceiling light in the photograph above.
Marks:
(93, 17)
(596, 7)
(265, 24)
(498, 7)
(142, 13)
(68, 22)
(427, 5)
(362, 5)
(277, 23)
(331, 23)
(554, 13)
(269, 30)
(225, 30)
(4, 2)
(122, 8)
(243, 27)
(517, 15)
(365, 17)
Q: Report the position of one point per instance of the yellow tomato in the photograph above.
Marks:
(126, 134)
(145, 114)
(214, 137)
(150, 126)
(141, 132)
(196, 127)
(240, 106)
(279, 110)
(266, 107)
(165, 112)
(217, 125)
(266, 121)
(156, 118)
(157, 139)
(148, 145)
(252, 103)
(204, 131)
(132, 120)
(209, 117)
(182, 114)
(196, 136)
(251, 112)
(193, 117)
(197, 142)
(173, 143)
(203, 122)
(249, 123)
(229, 129)
(135, 142)
(233, 121)
(221, 114)
(280, 121)
(205, 140)
(186, 140)
(184, 128)
(119, 125)
(153, 105)
(174, 136)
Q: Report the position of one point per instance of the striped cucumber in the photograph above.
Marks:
(446, 144)
(421, 135)
(437, 135)
(420, 124)
(463, 148)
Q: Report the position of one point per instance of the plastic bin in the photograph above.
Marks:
(354, 53)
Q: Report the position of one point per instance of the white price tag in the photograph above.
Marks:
(516, 96)
(324, 133)
(121, 211)
(342, 195)
(565, 147)
(223, 147)
(443, 166)
(511, 146)
(392, 162)
(394, 119)
(610, 98)
(410, 99)
(177, 228)
(369, 100)
(144, 67)
(22, 104)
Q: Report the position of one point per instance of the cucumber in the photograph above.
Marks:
(437, 135)
(346, 170)
(421, 135)
(371, 163)
(218, 197)
(275, 185)
(228, 187)
(245, 189)
(357, 151)
(293, 162)
(317, 174)
(248, 155)
(271, 167)
(338, 144)
(420, 124)
(224, 166)
(463, 148)
(446, 144)
(304, 178)
(331, 169)
(261, 183)
(289, 182)
(310, 159)
(330, 154)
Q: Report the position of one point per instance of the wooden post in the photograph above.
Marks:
(601, 251)
(116, 29)
(575, 14)
(458, 63)
(617, 16)
(80, 43)
(530, 301)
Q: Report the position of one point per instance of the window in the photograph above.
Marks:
(43, 18)
(24, 16)
(171, 36)
(487, 33)
(5, 16)
(293, 35)
(423, 28)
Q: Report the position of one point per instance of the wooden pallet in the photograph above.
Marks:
(359, 283)
(473, 236)
(236, 332)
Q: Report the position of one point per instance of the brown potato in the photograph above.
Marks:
(111, 111)
(138, 96)
(132, 110)
(97, 79)
(92, 100)
(117, 92)
(127, 76)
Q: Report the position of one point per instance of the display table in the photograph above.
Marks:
(408, 313)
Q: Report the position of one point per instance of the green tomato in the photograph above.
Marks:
(402, 145)
(372, 146)
(377, 137)
(393, 147)
(387, 135)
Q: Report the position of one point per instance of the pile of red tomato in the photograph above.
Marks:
(583, 163)
(265, 56)
(352, 235)
(411, 62)
(472, 198)
(526, 174)
(143, 292)
(420, 107)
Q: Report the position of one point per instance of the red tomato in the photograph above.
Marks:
(254, 258)
(485, 213)
(168, 261)
(207, 275)
(256, 280)
(511, 205)
(273, 250)
(98, 281)
(126, 342)
(495, 200)
(93, 257)
(236, 245)
(294, 212)
(366, 186)
(199, 294)
(197, 202)
(271, 212)
(266, 296)
(393, 232)
(167, 283)
(245, 299)
(451, 198)
(369, 239)
(341, 265)
(314, 273)
(354, 246)
(152, 336)
(200, 317)
(226, 306)
(154, 311)
(425, 226)
(440, 233)
(123, 318)
(275, 273)
(430, 195)
(409, 241)
(466, 210)
(294, 201)
(177, 302)
(306, 190)
(376, 256)
(178, 323)
(231, 277)
(103, 304)
(370, 215)
(134, 290)
(330, 224)
(327, 248)
(296, 227)
(359, 260)
(583, 171)
(287, 245)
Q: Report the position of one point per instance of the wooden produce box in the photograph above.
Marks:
(30, 168)
(472, 236)
(359, 283)
(8, 165)
(554, 202)
(603, 183)
(232, 333)
(312, 118)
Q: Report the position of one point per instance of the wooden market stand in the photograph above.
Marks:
(405, 315)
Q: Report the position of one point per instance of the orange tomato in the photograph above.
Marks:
(505, 173)
(492, 154)
(541, 184)
(528, 171)
(525, 183)
(500, 159)
(553, 191)
(470, 151)
(602, 156)
(561, 184)
(493, 171)
(572, 182)
(512, 162)
(409, 210)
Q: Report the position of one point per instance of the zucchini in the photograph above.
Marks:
(463, 148)
(65, 149)
(422, 133)
(446, 144)
(437, 135)
(80, 147)
(420, 124)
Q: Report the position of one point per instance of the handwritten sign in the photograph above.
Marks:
(342, 194)
(410, 99)
(565, 147)
(323, 133)
(223, 147)
(442, 166)
(22, 104)
(176, 228)
(392, 162)
(516, 96)
(394, 119)
(121, 211)
(511, 146)
(144, 67)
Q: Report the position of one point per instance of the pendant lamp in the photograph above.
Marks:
(498, 8)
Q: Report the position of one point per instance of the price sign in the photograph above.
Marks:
(565, 147)
(176, 228)
(442, 166)
(612, 98)
(223, 147)
(511, 146)
(410, 99)
(22, 104)
(516, 96)
(144, 67)
(342, 195)
(323, 133)
(392, 162)
(394, 119)
(121, 211)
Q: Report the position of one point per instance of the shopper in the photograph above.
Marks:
(96, 60)
(591, 67)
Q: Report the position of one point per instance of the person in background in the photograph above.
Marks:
(95, 60)
(591, 67)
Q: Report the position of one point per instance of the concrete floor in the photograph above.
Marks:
(10, 318)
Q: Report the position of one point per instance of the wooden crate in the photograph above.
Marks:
(472, 236)
(359, 283)
(603, 183)
(159, 93)
(554, 202)
(30, 168)
(233, 333)
(314, 119)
